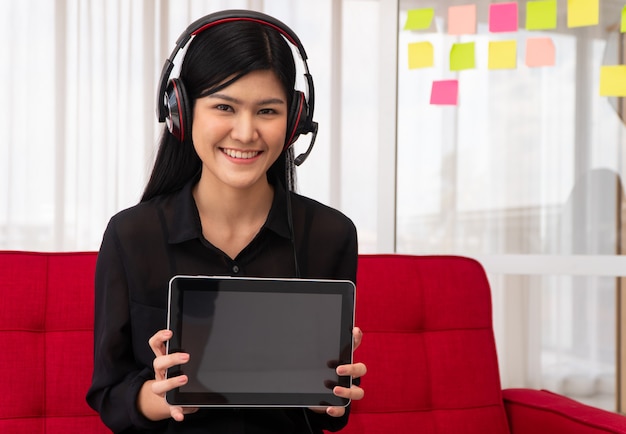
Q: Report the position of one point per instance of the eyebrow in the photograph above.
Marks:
(237, 101)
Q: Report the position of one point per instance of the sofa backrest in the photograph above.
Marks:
(46, 333)
(429, 347)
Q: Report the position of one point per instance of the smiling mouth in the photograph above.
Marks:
(241, 155)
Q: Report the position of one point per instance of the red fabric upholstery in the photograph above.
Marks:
(429, 347)
(46, 332)
(543, 412)
(428, 344)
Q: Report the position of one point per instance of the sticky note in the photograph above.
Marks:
(623, 29)
(421, 55)
(462, 20)
(502, 54)
(613, 80)
(503, 17)
(419, 19)
(583, 13)
(541, 15)
(445, 92)
(462, 56)
(540, 52)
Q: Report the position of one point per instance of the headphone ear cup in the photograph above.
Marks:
(297, 119)
(178, 119)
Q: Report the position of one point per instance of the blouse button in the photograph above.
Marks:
(235, 269)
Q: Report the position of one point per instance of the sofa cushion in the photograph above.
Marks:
(544, 412)
(429, 346)
(46, 320)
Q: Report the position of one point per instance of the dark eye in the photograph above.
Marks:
(223, 107)
(267, 111)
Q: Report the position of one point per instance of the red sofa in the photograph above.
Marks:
(428, 345)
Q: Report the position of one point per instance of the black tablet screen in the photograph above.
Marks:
(261, 341)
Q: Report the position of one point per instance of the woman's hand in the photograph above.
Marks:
(151, 401)
(355, 370)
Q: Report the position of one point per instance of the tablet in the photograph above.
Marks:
(259, 342)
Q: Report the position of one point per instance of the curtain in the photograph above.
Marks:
(80, 132)
(79, 113)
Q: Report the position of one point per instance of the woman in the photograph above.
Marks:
(220, 201)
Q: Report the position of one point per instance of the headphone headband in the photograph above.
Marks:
(226, 16)
(277, 25)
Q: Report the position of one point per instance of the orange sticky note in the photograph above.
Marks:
(540, 52)
(613, 80)
(421, 55)
(502, 54)
(503, 17)
(445, 92)
(583, 13)
(462, 20)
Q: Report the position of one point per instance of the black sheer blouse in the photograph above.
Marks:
(144, 246)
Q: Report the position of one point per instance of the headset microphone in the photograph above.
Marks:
(300, 158)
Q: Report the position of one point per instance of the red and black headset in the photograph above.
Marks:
(173, 105)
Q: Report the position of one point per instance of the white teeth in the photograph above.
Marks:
(238, 154)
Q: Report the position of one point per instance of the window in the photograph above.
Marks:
(527, 165)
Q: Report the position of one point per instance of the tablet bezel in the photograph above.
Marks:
(182, 283)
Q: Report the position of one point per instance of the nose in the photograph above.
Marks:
(244, 128)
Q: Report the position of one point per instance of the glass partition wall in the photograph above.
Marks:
(524, 171)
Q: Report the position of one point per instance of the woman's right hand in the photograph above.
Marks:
(151, 401)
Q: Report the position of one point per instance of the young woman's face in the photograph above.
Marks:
(239, 132)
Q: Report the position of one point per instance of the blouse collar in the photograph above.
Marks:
(183, 219)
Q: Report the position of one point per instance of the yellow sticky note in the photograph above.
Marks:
(613, 80)
(419, 19)
(462, 56)
(541, 15)
(624, 20)
(421, 55)
(502, 54)
(583, 13)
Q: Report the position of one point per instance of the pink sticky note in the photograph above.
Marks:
(445, 92)
(462, 20)
(503, 17)
(540, 52)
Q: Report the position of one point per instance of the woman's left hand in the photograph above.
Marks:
(355, 370)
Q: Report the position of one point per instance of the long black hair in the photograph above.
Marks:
(215, 58)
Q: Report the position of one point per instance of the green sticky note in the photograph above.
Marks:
(502, 54)
(624, 20)
(583, 13)
(613, 80)
(462, 56)
(421, 55)
(541, 15)
(419, 19)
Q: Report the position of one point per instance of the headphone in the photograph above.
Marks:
(173, 104)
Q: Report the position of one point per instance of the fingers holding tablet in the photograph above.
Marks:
(354, 370)
(163, 362)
